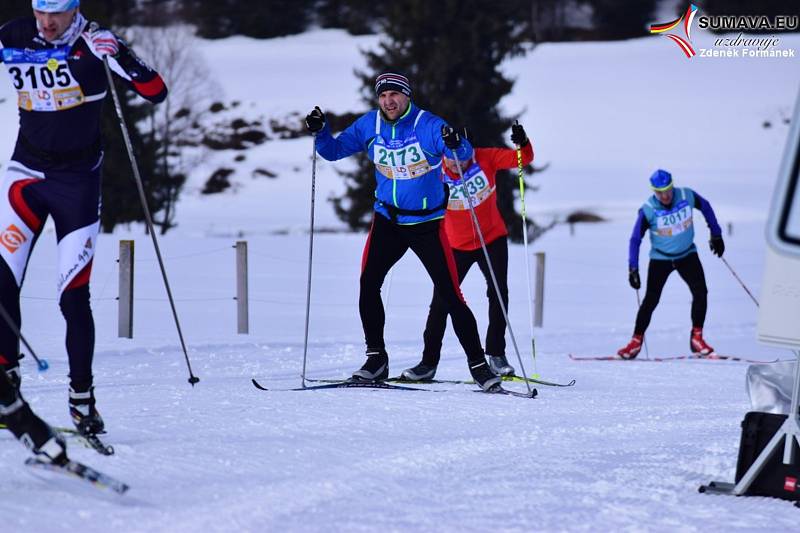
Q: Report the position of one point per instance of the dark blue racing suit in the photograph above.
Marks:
(55, 170)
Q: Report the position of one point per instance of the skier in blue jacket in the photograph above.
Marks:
(668, 216)
(406, 145)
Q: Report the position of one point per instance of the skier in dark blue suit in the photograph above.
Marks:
(406, 145)
(55, 62)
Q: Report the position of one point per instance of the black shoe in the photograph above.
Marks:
(375, 369)
(421, 372)
(484, 376)
(84, 413)
(499, 365)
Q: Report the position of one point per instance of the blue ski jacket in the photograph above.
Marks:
(671, 227)
(407, 155)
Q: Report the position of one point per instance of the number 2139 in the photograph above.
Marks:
(472, 188)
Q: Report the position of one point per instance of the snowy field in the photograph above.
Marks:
(625, 449)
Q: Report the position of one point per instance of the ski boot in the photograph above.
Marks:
(697, 343)
(499, 365)
(14, 375)
(632, 349)
(483, 376)
(84, 413)
(421, 372)
(376, 368)
(32, 431)
(46, 443)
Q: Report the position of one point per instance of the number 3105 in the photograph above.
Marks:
(46, 77)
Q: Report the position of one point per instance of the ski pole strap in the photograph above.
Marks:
(395, 211)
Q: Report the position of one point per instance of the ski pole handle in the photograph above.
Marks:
(520, 174)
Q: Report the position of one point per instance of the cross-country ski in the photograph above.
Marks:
(82, 472)
(403, 379)
(348, 384)
(661, 359)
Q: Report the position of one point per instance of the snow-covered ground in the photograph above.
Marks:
(625, 448)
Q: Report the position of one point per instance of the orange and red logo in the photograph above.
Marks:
(684, 44)
(12, 238)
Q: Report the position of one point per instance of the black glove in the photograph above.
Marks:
(451, 137)
(717, 245)
(315, 120)
(633, 278)
(518, 136)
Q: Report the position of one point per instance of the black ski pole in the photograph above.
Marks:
(750, 294)
(491, 270)
(42, 364)
(310, 251)
(148, 219)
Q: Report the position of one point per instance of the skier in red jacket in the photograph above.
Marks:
(479, 186)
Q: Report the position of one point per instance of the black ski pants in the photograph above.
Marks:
(496, 331)
(386, 244)
(691, 270)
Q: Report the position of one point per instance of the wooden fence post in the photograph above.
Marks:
(538, 315)
(242, 317)
(125, 312)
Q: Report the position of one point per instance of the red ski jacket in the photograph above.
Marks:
(479, 182)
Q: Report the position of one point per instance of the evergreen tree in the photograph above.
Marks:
(121, 203)
(223, 18)
(621, 19)
(454, 72)
(358, 17)
(110, 13)
(120, 196)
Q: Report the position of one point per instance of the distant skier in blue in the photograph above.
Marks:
(406, 145)
(668, 216)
